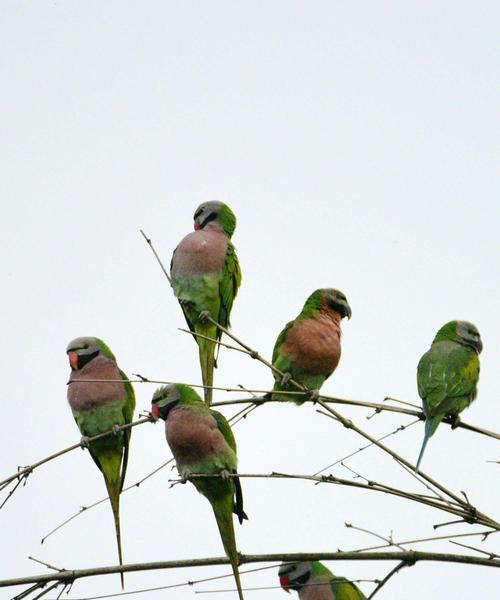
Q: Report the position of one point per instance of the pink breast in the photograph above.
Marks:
(200, 253)
(314, 345)
(84, 394)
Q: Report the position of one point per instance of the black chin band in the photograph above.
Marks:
(298, 582)
(164, 410)
(84, 359)
(211, 217)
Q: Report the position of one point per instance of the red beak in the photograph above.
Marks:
(285, 583)
(197, 225)
(73, 360)
(155, 411)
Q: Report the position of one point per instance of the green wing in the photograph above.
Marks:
(128, 415)
(281, 340)
(228, 287)
(345, 590)
(447, 377)
(224, 427)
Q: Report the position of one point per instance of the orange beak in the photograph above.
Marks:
(155, 411)
(73, 360)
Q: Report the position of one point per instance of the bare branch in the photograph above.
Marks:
(410, 556)
(391, 573)
(150, 244)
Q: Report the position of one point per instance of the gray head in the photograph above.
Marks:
(215, 212)
(82, 350)
(164, 400)
(294, 575)
(463, 332)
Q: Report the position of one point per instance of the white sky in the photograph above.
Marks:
(356, 144)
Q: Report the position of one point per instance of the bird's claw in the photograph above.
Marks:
(314, 395)
(115, 429)
(455, 422)
(203, 316)
(185, 475)
(224, 475)
(286, 378)
(84, 442)
(186, 304)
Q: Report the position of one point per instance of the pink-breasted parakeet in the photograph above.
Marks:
(201, 441)
(205, 277)
(308, 349)
(313, 581)
(447, 375)
(99, 407)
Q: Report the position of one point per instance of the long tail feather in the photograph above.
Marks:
(223, 510)
(114, 498)
(431, 425)
(207, 363)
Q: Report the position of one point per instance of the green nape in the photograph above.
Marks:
(312, 305)
(188, 395)
(227, 219)
(319, 568)
(448, 332)
(105, 349)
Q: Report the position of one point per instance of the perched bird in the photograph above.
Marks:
(308, 349)
(313, 581)
(99, 407)
(201, 441)
(205, 277)
(447, 375)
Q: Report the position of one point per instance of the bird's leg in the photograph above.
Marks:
(224, 474)
(455, 421)
(203, 316)
(314, 395)
(84, 442)
(116, 429)
(185, 475)
(286, 378)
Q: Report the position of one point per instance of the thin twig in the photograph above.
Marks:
(377, 535)
(492, 555)
(150, 244)
(391, 573)
(30, 468)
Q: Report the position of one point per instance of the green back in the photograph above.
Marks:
(447, 377)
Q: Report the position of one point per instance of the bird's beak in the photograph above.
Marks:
(197, 225)
(73, 360)
(285, 583)
(155, 411)
(348, 312)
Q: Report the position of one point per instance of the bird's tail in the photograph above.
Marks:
(113, 487)
(223, 510)
(207, 361)
(431, 424)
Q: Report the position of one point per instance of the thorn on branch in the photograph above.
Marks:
(139, 376)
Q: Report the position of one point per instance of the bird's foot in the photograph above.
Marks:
(185, 475)
(224, 475)
(203, 316)
(84, 442)
(116, 429)
(186, 304)
(455, 422)
(286, 378)
(313, 395)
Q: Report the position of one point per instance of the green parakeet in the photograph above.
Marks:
(98, 407)
(308, 349)
(313, 581)
(201, 441)
(205, 278)
(447, 374)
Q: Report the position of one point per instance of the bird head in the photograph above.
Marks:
(82, 350)
(463, 332)
(294, 575)
(164, 400)
(215, 212)
(336, 300)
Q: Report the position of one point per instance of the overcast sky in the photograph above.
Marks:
(357, 144)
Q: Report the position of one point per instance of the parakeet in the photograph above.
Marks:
(201, 441)
(205, 277)
(98, 407)
(447, 374)
(313, 581)
(308, 349)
